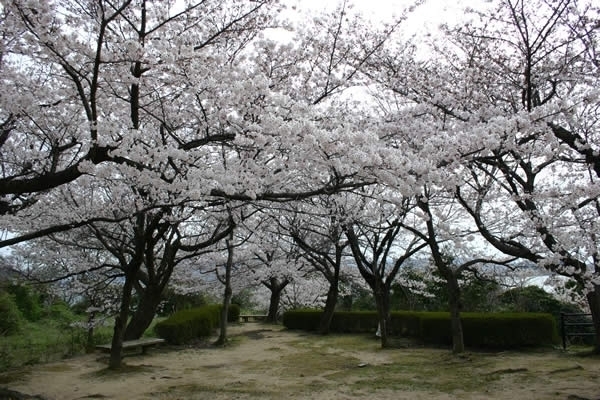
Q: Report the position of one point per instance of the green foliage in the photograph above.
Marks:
(492, 330)
(244, 299)
(187, 325)
(354, 321)
(405, 323)
(305, 320)
(535, 299)
(359, 299)
(62, 313)
(27, 300)
(10, 316)
(476, 295)
(489, 330)
(173, 302)
(233, 313)
(46, 340)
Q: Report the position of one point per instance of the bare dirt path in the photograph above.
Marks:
(268, 362)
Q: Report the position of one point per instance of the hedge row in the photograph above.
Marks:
(186, 325)
(491, 330)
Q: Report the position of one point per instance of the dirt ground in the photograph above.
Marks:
(268, 362)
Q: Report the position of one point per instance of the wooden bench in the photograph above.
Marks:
(139, 345)
(248, 317)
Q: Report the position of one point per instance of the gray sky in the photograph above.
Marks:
(425, 18)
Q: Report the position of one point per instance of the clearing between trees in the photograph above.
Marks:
(269, 362)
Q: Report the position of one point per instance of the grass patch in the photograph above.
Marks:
(49, 339)
(204, 391)
(422, 370)
(311, 363)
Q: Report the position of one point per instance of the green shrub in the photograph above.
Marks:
(186, 325)
(535, 299)
(10, 316)
(405, 323)
(27, 300)
(492, 330)
(233, 313)
(353, 321)
(305, 320)
(62, 313)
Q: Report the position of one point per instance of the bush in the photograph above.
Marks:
(10, 316)
(27, 301)
(405, 323)
(233, 313)
(535, 299)
(353, 321)
(62, 313)
(491, 330)
(305, 320)
(187, 325)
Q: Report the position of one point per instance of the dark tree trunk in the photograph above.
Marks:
(330, 303)
(593, 299)
(458, 345)
(222, 340)
(382, 301)
(276, 288)
(274, 306)
(120, 321)
(90, 332)
(131, 270)
(143, 316)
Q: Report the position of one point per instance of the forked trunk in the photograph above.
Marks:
(120, 321)
(330, 303)
(383, 312)
(276, 289)
(144, 315)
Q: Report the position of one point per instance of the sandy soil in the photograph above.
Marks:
(265, 362)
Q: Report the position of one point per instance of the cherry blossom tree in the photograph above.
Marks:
(317, 228)
(380, 246)
(511, 99)
(164, 112)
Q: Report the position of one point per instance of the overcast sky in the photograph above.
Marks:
(425, 18)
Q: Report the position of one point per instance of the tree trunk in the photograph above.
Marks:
(276, 288)
(330, 303)
(458, 344)
(143, 316)
(274, 306)
(90, 332)
(222, 340)
(593, 299)
(120, 321)
(382, 301)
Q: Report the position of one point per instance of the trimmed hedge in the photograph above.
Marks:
(403, 323)
(489, 330)
(492, 330)
(186, 325)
